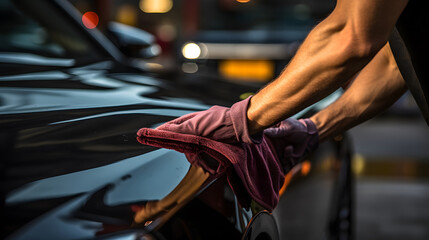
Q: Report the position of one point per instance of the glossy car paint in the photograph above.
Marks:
(70, 132)
(71, 167)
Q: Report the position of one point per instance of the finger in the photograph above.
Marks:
(274, 132)
(140, 215)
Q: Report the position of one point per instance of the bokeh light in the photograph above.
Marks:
(305, 168)
(191, 51)
(127, 14)
(189, 67)
(90, 20)
(156, 6)
(166, 32)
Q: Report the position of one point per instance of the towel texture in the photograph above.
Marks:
(253, 170)
(219, 123)
(218, 141)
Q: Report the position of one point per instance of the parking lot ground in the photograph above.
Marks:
(391, 167)
(391, 208)
(392, 179)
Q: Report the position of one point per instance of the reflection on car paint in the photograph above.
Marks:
(26, 58)
(94, 213)
(153, 111)
(103, 65)
(192, 183)
(58, 224)
(137, 79)
(141, 170)
(21, 100)
(51, 75)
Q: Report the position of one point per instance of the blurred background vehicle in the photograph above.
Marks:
(237, 40)
(248, 40)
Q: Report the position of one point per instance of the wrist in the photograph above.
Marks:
(254, 127)
(254, 118)
(245, 130)
(323, 125)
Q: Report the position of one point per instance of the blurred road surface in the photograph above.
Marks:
(391, 167)
(392, 182)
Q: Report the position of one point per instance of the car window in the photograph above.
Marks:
(35, 32)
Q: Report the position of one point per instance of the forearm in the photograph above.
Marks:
(334, 51)
(373, 90)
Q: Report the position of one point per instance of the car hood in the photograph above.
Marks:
(99, 198)
(86, 116)
(68, 137)
(86, 87)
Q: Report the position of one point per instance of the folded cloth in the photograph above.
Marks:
(219, 123)
(253, 170)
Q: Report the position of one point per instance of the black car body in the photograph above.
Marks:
(71, 168)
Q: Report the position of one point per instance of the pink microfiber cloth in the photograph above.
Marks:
(253, 170)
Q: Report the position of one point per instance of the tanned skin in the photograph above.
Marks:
(351, 41)
(374, 89)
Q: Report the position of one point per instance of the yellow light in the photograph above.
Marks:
(191, 51)
(156, 6)
(247, 70)
(358, 164)
(246, 95)
(127, 14)
(243, 1)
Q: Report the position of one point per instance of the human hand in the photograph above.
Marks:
(218, 123)
(149, 211)
(293, 140)
(193, 182)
